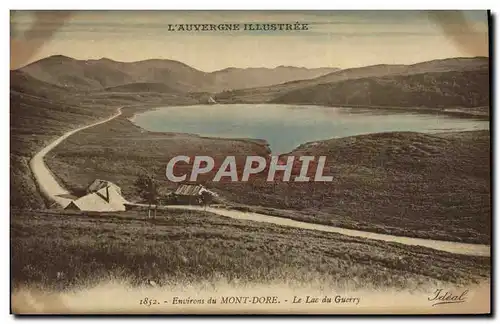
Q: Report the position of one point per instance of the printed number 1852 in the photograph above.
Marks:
(148, 301)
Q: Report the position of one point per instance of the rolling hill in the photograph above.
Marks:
(444, 65)
(23, 83)
(431, 90)
(103, 73)
(268, 94)
(142, 87)
(92, 75)
(41, 111)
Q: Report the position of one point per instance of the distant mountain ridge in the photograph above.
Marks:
(242, 78)
(458, 89)
(278, 93)
(104, 73)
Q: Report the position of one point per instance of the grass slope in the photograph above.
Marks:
(40, 112)
(411, 184)
(435, 90)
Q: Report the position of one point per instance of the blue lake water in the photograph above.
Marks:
(285, 127)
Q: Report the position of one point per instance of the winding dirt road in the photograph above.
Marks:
(45, 180)
(49, 187)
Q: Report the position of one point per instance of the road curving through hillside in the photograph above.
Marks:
(51, 189)
(45, 179)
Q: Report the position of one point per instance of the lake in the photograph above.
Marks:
(285, 127)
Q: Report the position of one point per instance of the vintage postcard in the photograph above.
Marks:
(250, 162)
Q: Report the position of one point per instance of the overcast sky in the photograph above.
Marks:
(333, 39)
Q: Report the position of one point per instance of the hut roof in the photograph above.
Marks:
(189, 190)
(192, 190)
(99, 184)
(104, 199)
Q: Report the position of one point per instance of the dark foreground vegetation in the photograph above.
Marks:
(60, 250)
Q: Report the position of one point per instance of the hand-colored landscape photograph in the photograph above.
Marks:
(392, 106)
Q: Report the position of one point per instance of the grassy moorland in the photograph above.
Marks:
(437, 90)
(411, 184)
(40, 112)
(61, 250)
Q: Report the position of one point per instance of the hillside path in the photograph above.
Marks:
(45, 179)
